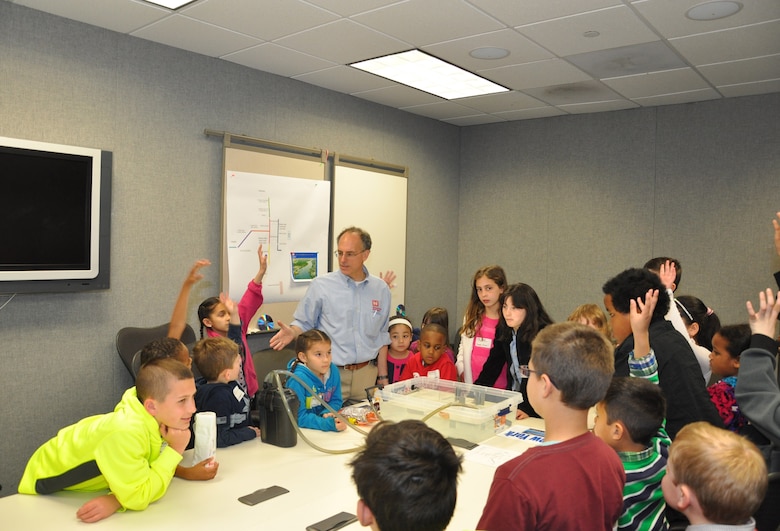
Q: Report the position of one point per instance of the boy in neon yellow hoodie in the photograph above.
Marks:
(132, 451)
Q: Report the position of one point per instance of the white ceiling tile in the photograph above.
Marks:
(744, 71)
(627, 60)
(668, 16)
(123, 16)
(343, 42)
(345, 79)
(598, 106)
(422, 22)
(538, 74)
(730, 44)
(347, 8)
(582, 92)
(521, 50)
(531, 11)
(530, 114)
(617, 26)
(681, 97)
(314, 41)
(657, 83)
(196, 36)
(398, 96)
(441, 110)
(264, 19)
(477, 119)
(506, 101)
(277, 60)
(750, 89)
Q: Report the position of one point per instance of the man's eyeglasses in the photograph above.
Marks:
(348, 254)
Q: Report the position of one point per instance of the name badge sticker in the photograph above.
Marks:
(238, 393)
(483, 342)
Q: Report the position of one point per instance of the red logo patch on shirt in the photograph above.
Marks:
(375, 305)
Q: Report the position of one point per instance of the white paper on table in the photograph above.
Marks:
(205, 436)
(490, 455)
(506, 445)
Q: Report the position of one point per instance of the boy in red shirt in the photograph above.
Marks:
(573, 480)
(429, 361)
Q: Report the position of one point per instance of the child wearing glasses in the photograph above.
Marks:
(573, 480)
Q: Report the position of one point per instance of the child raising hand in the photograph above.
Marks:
(216, 318)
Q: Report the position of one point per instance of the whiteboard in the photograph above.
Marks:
(376, 202)
(248, 159)
(289, 217)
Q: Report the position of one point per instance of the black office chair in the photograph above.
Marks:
(130, 340)
(266, 361)
(768, 514)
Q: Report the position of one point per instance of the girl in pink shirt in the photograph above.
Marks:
(479, 324)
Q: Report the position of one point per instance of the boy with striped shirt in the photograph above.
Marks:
(630, 419)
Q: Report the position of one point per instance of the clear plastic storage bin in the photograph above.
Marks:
(475, 412)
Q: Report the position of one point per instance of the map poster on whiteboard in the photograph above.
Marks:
(289, 217)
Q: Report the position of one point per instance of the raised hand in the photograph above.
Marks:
(668, 272)
(231, 307)
(764, 320)
(179, 315)
(263, 259)
(640, 314)
(776, 223)
(389, 276)
(194, 276)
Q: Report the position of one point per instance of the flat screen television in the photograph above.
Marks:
(55, 217)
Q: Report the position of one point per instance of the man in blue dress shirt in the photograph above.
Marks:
(353, 308)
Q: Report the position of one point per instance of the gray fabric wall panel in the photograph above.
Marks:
(719, 186)
(587, 196)
(567, 184)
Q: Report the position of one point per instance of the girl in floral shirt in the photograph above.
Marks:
(727, 345)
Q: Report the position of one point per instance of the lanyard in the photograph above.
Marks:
(515, 368)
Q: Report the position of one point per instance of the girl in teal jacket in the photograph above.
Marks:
(314, 366)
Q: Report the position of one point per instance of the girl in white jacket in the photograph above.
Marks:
(480, 322)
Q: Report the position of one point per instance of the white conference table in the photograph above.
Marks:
(320, 486)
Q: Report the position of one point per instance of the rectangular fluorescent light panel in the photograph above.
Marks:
(427, 73)
(170, 4)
